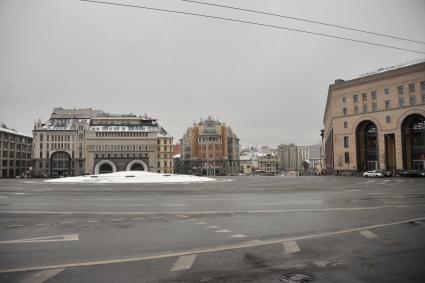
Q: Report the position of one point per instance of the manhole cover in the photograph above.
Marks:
(296, 278)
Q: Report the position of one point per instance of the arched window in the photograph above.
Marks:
(367, 146)
(413, 142)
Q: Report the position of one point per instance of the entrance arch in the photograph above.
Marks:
(105, 166)
(367, 146)
(60, 164)
(137, 165)
(413, 142)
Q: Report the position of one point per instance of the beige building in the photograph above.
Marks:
(292, 157)
(15, 153)
(86, 141)
(376, 121)
(267, 163)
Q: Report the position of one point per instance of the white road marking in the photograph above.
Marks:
(237, 236)
(368, 234)
(42, 224)
(329, 263)
(68, 222)
(184, 262)
(42, 276)
(182, 216)
(223, 231)
(252, 243)
(15, 226)
(116, 220)
(291, 247)
(200, 223)
(59, 238)
(19, 193)
(92, 221)
(138, 218)
(212, 227)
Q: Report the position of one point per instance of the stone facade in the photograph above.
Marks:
(291, 157)
(210, 148)
(376, 121)
(86, 141)
(267, 163)
(15, 153)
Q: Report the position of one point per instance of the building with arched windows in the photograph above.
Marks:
(376, 121)
(86, 141)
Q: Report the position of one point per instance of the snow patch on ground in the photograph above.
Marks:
(132, 177)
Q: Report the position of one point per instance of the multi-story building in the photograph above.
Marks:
(210, 148)
(87, 141)
(291, 157)
(15, 153)
(267, 163)
(376, 121)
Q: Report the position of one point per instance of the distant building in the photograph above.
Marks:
(248, 161)
(210, 148)
(15, 153)
(291, 157)
(86, 141)
(267, 163)
(376, 121)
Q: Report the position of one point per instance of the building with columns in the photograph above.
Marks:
(209, 148)
(86, 141)
(376, 121)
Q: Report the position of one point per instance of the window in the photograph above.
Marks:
(387, 104)
(344, 99)
(365, 109)
(345, 124)
(364, 96)
(423, 98)
(401, 102)
(423, 85)
(374, 95)
(386, 91)
(412, 100)
(412, 87)
(344, 110)
(400, 89)
(346, 142)
(374, 107)
(356, 98)
(347, 157)
(388, 119)
(356, 109)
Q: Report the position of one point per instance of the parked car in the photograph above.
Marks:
(374, 173)
(386, 173)
(412, 173)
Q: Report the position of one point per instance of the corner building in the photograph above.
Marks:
(376, 121)
(86, 141)
(210, 148)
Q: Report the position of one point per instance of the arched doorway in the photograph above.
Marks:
(60, 164)
(105, 166)
(137, 165)
(413, 142)
(367, 146)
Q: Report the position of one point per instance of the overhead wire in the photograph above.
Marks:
(253, 23)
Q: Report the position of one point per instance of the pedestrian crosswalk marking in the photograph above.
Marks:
(184, 262)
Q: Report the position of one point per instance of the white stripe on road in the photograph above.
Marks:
(291, 247)
(329, 263)
(253, 243)
(223, 231)
(200, 223)
(68, 222)
(92, 221)
(184, 262)
(116, 220)
(59, 238)
(138, 218)
(42, 276)
(212, 227)
(368, 234)
(237, 236)
(15, 226)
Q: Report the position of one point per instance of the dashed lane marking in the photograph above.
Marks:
(92, 221)
(182, 216)
(59, 238)
(291, 247)
(42, 224)
(237, 236)
(212, 227)
(223, 231)
(368, 234)
(184, 262)
(42, 276)
(116, 220)
(329, 263)
(138, 218)
(247, 244)
(200, 223)
(68, 222)
(15, 226)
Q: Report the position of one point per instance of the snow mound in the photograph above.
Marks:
(132, 177)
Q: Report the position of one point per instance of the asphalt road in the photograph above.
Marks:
(238, 229)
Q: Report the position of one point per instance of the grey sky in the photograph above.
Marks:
(269, 85)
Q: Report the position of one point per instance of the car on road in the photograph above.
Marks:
(412, 173)
(374, 173)
(387, 173)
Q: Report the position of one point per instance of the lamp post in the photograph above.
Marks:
(322, 134)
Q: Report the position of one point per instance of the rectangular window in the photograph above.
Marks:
(347, 157)
(346, 142)
(374, 107)
(344, 110)
(365, 109)
(401, 102)
(412, 87)
(400, 89)
(356, 109)
(388, 119)
(423, 98)
(345, 124)
(374, 95)
(387, 91)
(412, 100)
(423, 85)
(356, 98)
(344, 99)
(387, 104)
(364, 96)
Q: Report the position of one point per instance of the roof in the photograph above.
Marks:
(12, 131)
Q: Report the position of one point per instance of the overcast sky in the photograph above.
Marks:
(269, 85)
